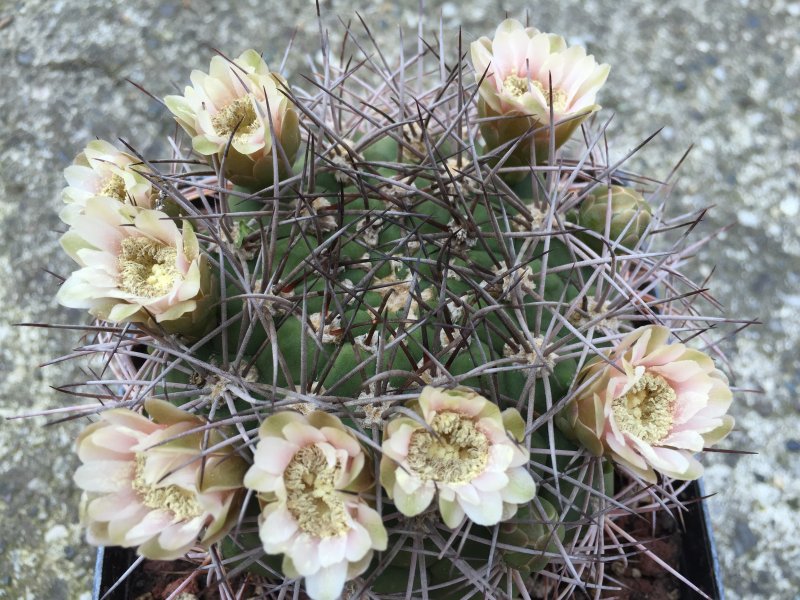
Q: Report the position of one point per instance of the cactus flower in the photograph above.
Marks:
(309, 471)
(136, 265)
(652, 406)
(104, 170)
(465, 449)
(233, 104)
(629, 219)
(515, 72)
(145, 489)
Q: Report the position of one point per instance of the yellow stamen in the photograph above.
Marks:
(457, 453)
(517, 86)
(312, 497)
(182, 503)
(147, 268)
(239, 115)
(559, 97)
(114, 188)
(646, 410)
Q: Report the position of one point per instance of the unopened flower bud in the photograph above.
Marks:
(630, 215)
(530, 530)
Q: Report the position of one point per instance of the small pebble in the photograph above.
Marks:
(793, 445)
(25, 57)
(618, 567)
(55, 533)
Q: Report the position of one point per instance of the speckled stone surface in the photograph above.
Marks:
(719, 74)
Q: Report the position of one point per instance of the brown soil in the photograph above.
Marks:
(158, 579)
(643, 578)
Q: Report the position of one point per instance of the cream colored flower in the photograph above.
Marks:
(234, 103)
(143, 488)
(519, 65)
(515, 71)
(653, 405)
(136, 265)
(104, 170)
(309, 471)
(467, 450)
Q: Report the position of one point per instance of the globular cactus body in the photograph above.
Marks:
(409, 295)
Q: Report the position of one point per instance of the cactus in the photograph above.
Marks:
(399, 253)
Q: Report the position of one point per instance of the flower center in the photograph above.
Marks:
(238, 116)
(147, 268)
(646, 410)
(457, 453)
(312, 497)
(517, 86)
(559, 97)
(182, 503)
(114, 187)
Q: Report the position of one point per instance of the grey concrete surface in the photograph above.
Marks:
(720, 74)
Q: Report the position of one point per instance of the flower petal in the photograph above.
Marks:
(327, 583)
(490, 481)
(488, 511)
(333, 549)
(152, 525)
(104, 476)
(274, 454)
(451, 511)
(301, 435)
(358, 542)
(305, 554)
(277, 526)
(413, 504)
(520, 489)
(181, 534)
(371, 520)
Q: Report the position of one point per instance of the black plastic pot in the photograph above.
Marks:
(111, 564)
(699, 562)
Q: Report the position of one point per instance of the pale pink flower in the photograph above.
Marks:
(233, 104)
(652, 406)
(469, 453)
(515, 71)
(104, 170)
(136, 265)
(142, 488)
(309, 471)
(520, 63)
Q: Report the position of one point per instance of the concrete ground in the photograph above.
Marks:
(719, 74)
